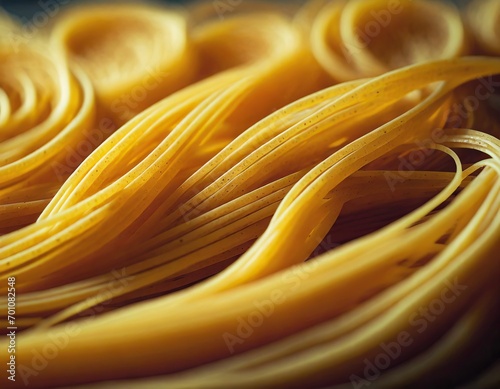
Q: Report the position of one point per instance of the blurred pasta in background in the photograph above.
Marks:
(251, 194)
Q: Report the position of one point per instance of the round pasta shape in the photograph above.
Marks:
(353, 39)
(109, 43)
(484, 18)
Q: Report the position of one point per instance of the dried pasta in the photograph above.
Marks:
(254, 196)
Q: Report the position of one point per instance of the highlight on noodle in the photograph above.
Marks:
(251, 194)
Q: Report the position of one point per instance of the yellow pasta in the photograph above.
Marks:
(483, 17)
(108, 42)
(354, 39)
(50, 109)
(282, 196)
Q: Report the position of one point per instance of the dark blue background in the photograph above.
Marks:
(26, 8)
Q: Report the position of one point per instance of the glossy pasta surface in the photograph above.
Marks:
(243, 194)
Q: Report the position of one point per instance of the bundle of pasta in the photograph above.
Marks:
(145, 251)
(455, 242)
(168, 141)
(45, 110)
(399, 168)
(48, 124)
